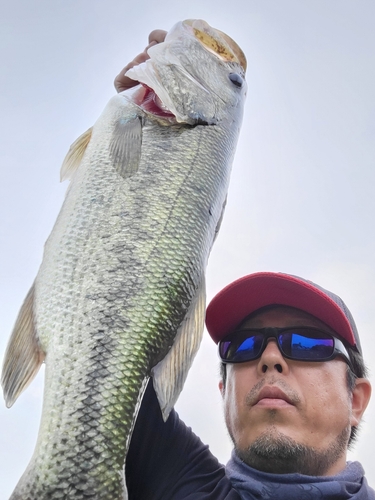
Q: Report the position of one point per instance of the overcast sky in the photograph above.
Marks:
(301, 198)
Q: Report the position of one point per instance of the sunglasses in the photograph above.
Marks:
(298, 343)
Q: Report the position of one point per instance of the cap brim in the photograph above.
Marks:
(244, 296)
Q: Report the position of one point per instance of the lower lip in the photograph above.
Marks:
(273, 403)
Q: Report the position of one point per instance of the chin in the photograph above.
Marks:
(277, 453)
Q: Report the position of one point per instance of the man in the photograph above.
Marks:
(294, 389)
(308, 390)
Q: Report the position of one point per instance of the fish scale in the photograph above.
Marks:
(120, 285)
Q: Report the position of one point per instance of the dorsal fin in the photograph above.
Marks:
(74, 155)
(23, 355)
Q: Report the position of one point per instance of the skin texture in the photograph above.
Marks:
(276, 408)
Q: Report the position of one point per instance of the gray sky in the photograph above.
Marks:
(301, 196)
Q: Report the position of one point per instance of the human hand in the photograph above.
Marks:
(123, 82)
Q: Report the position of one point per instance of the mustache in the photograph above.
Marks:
(252, 397)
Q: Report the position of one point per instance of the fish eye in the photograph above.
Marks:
(236, 79)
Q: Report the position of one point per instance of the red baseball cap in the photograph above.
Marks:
(245, 295)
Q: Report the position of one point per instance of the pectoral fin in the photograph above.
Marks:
(24, 355)
(170, 374)
(74, 155)
(126, 146)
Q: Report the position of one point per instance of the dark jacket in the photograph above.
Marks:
(167, 461)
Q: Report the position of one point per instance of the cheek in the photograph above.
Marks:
(230, 404)
(328, 403)
(235, 408)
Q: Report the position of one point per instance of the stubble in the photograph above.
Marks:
(274, 452)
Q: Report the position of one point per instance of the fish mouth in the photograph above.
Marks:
(147, 99)
(150, 95)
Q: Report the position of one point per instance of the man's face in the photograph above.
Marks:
(281, 412)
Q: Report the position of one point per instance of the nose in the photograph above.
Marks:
(272, 359)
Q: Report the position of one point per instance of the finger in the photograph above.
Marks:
(157, 36)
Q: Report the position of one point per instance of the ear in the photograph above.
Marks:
(222, 388)
(360, 399)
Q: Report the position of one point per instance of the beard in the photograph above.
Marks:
(278, 454)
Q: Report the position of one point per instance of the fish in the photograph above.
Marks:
(120, 293)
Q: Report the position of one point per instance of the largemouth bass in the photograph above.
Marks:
(120, 294)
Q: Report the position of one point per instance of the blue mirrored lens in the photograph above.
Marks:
(245, 350)
(305, 348)
(246, 347)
